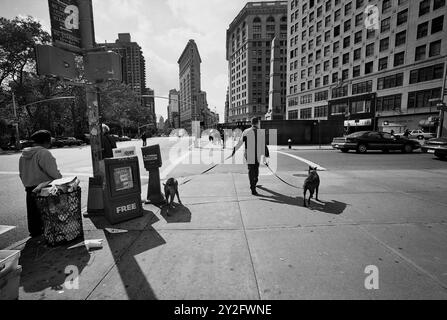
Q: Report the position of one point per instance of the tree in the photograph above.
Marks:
(18, 39)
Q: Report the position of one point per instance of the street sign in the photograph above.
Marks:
(65, 26)
(103, 66)
(52, 61)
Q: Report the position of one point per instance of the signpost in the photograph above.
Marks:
(64, 16)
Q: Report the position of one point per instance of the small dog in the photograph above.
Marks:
(312, 184)
(171, 190)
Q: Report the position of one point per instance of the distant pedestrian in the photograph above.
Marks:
(392, 133)
(37, 165)
(253, 153)
(407, 133)
(107, 142)
(144, 138)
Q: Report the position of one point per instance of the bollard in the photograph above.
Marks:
(290, 144)
(153, 162)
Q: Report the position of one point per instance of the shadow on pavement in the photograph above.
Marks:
(177, 214)
(134, 280)
(44, 267)
(334, 207)
(279, 198)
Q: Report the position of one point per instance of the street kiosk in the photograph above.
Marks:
(153, 163)
(122, 190)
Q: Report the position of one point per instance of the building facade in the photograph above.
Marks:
(375, 64)
(191, 95)
(174, 109)
(249, 39)
(133, 62)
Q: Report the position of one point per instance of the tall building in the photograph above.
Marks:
(375, 68)
(249, 40)
(174, 109)
(277, 109)
(149, 102)
(134, 65)
(192, 99)
(227, 107)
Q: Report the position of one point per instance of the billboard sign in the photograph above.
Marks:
(65, 29)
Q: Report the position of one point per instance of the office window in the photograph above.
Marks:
(337, 15)
(321, 96)
(335, 62)
(293, 115)
(346, 58)
(358, 37)
(306, 113)
(335, 77)
(370, 50)
(399, 59)
(356, 72)
(437, 24)
(427, 74)
(385, 25)
(325, 80)
(383, 64)
(386, 5)
(336, 46)
(384, 44)
(420, 52)
(358, 3)
(347, 25)
(424, 7)
(422, 30)
(402, 17)
(389, 103)
(326, 66)
(321, 112)
(340, 92)
(357, 54)
(336, 31)
(359, 19)
(421, 99)
(393, 81)
(438, 4)
(339, 108)
(370, 33)
(369, 67)
(345, 74)
(327, 36)
(348, 8)
(435, 48)
(401, 38)
(346, 42)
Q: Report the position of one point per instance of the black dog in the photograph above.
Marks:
(171, 190)
(312, 184)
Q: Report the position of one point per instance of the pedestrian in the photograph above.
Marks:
(392, 133)
(253, 153)
(107, 142)
(37, 165)
(407, 133)
(144, 138)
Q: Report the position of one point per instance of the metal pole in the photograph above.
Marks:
(16, 124)
(441, 113)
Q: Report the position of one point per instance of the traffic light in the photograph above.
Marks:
(103, 66)
(55, 62)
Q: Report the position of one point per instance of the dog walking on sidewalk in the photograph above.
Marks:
(312, 184)
(171, 190)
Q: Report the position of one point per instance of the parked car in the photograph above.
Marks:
(26, 144)
(418, 134)
(437, 146)
(363, 141)
(66, 142)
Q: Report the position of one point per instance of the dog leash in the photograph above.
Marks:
(280, 179)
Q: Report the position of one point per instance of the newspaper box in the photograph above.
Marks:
(122, 190)
(153, 162)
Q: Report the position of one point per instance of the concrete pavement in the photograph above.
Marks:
(226, 244)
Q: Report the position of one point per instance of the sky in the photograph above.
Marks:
(162, 28)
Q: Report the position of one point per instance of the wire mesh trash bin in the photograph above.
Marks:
(62, 217)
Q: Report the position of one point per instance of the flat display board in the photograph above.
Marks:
(65, 29)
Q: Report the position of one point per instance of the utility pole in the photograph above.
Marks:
(441, 112)
(16, 121)
(92, 93)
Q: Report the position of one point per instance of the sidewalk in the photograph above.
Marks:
(226, 244)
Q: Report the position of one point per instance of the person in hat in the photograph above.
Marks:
(107, 142)
(37, 165)
(253, 152)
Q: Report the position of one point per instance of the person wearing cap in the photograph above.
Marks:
(107, 142)
(37, 165)
(253, 152)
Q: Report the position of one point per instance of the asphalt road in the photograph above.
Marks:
(180, 161)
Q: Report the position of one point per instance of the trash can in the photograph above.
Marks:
(62, 217)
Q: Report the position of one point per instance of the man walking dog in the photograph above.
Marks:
(255, 148)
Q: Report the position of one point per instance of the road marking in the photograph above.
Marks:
(310, 163)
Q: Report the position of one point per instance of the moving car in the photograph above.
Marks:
(418, 134)
(363, 141)
(437, 146)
